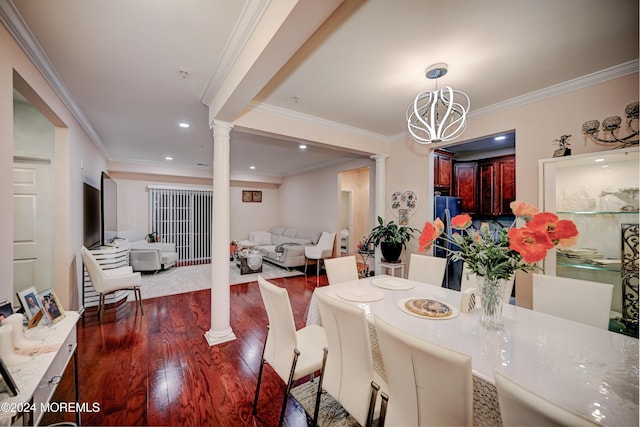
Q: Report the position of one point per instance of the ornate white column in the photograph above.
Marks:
(380, 197)
(220, 331)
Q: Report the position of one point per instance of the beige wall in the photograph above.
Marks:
(72, 146)
(536, 125)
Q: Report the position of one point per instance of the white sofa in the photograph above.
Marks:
(283, 246)
(145, 256)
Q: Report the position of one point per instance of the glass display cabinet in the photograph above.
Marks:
(599, 193)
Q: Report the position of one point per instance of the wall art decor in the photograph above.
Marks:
(403, 205)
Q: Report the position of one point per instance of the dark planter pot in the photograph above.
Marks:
(391, 251)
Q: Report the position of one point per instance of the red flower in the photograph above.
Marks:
(531, 243)
(460, 222)
(561, 232)
(429, 234)
(523, 209)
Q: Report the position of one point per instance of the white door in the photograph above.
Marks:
(33, 225)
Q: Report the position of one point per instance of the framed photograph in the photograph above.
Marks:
(251, 196)
(403, 216)
(7, 384)
(6, 310)
(51, 307)
(29, 301)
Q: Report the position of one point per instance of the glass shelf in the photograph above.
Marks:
(615, 269)
(600, 213)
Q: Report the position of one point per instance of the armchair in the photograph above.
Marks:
(146, 256)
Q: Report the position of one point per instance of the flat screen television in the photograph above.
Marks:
(109, 192)
(92, 225)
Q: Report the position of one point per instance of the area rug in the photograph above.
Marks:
(191, 278)
(331, 414)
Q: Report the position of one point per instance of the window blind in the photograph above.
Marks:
(183, 216)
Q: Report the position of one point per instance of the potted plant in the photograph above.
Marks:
(391, 238)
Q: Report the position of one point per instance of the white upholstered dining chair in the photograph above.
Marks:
(583, 301)
(292, 353)
(427, 269)
(429, 385)
(349, 375)
(468, 280)
(319, 252)
(111, 280)
(341, 269)
(520, 407)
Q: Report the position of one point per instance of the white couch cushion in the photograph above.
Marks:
(278, 231)
(260, 238)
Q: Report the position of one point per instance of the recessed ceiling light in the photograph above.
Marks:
(168, 158)
(302, 146)
(599, 160)
(252, 167)
(604, 166)
(184, 125)
(500, 138)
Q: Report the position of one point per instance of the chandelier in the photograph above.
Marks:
(439, 115)
(610, 128)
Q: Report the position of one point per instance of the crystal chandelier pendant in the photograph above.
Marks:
(439, 115)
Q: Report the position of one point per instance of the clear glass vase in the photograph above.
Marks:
(491, 294)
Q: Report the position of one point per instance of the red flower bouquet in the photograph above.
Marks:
(498, 254)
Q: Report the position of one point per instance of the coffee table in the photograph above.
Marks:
(249, 263)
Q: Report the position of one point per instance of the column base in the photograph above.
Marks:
(219, 337)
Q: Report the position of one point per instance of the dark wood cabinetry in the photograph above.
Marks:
(496, 186)
(442, 169)
(487, 187)
(466, 185)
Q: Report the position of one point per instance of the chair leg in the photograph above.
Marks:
(319, 392)
(318, 271)
(139, 300)
(255, 399)
(101, 307)
(289, 384)
(372, 403)
(383, 408)
(306, 260)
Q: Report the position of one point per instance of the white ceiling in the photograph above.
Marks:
(120, 63)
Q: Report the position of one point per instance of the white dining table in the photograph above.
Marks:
(588, 370)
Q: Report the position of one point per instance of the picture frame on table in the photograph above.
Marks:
(6, 309)
(29, 300)
(51, 308)
(7, 383)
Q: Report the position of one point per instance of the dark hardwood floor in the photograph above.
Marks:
(158, 369)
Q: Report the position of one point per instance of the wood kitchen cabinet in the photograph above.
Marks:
(466, 186)
(487, 187)
(443, 170)
(496, 185)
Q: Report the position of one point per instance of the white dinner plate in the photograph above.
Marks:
(392, 283)
(427, 308)
(360, 294)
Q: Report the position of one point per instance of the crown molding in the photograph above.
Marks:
(555, 90)
(16, 26)
(316, 121)
(249, 18)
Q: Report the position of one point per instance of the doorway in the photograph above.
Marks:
(353, 208)
(33, 198)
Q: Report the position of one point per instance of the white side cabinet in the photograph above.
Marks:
(38, 377)
(108, 257)
(599, 193)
